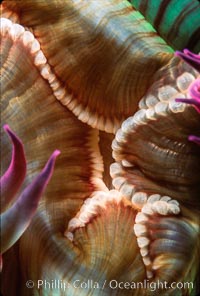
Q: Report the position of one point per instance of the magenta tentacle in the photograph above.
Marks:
(194, 139)
(194, 89)
(190, 58)
(30, 196)
(194, 93)
(16, 219)
(190, 101)
(13, 178)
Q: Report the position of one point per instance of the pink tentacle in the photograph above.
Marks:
(190, 58)
(194, 139)
(194, 89)
(16, 219)
(13, 178)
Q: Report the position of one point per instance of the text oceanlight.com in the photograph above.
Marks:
(112, 284)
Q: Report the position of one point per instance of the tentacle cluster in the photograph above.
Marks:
(17, 218)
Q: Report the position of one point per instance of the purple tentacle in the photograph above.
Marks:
(194, 139)
(190, 101)
(194, 89)
(16, 219)
(13, 178)
(190, 58)
(194, 93)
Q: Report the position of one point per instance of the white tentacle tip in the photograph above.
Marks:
(69, 235)
(160, 207)
(139, 229)
(5, 25)
(143, 241)
(16, 31)
(40, 58)
(141, 218)
(139, 199)
(147, 209)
